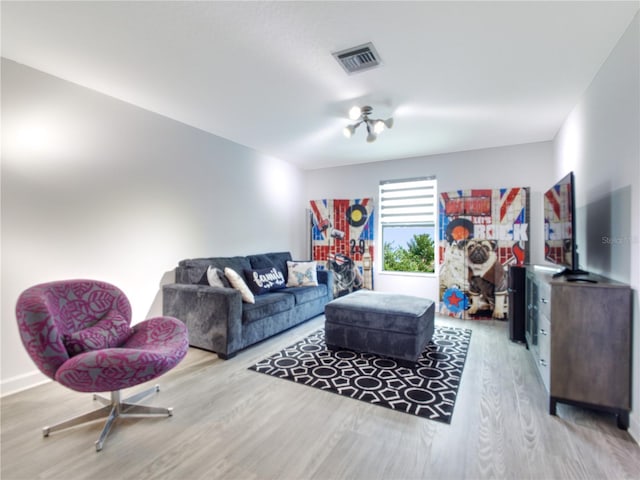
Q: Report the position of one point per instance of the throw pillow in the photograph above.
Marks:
(264, 280)
(216, 277)
(110, 331)
(238, 283)
(302, 274)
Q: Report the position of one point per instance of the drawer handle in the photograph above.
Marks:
(543, 331)
(544, 300)
(543, 362)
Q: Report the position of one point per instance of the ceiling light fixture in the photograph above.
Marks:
(374, 126)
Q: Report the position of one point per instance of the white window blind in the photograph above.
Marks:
(408, 202)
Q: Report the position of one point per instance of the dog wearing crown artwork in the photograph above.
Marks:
(486, 276)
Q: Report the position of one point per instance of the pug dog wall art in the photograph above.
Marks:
(486, 278)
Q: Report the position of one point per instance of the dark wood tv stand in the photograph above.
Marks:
(579, 334)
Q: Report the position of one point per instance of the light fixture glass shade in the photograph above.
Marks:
(378, 127)
(354, 113)
(388, 122)
(371, 137)
(348, 130)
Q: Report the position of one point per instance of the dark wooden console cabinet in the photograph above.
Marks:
(579, 334)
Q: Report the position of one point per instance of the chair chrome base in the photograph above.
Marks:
(113, 408)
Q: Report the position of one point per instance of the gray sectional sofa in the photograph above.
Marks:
(218, 320)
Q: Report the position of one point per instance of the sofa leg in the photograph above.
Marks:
(225, 356)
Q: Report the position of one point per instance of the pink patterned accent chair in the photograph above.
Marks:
(78, 333)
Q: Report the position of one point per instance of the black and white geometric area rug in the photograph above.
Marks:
(427, 390)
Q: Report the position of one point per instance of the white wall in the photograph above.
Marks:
(529, 165)
(600, 142)
(94, 187)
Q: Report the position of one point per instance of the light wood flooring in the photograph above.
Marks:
(233, 423)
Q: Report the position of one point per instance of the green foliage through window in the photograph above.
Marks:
(417, 256)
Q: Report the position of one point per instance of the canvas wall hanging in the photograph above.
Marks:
(342, 238)
(481, 233)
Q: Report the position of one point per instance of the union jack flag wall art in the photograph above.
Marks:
(342, 239)
(481, 233)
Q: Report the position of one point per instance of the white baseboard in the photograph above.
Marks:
(22, 382)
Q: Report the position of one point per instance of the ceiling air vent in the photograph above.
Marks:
(357, 59)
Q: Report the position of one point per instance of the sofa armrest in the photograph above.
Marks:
(213, 315)
(326, 277)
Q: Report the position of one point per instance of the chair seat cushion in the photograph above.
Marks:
(155, 347)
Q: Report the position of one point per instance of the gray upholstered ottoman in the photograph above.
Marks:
(387, 324)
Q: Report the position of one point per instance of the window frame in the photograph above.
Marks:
(392, 194)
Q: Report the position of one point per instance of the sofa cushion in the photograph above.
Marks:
(306, 294)
(266, 305)
(239, 264)
(273, 259)
(239, 284)
(195, 270)
(217, 278)
(302, 274)
(264, 280)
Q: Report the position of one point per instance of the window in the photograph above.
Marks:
(408, 224)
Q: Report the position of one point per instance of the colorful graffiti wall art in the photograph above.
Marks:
(342, 237)
(481, 233)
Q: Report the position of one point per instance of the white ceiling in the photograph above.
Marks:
(455, 75)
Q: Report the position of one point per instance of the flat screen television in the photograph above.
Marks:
(560, 226)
